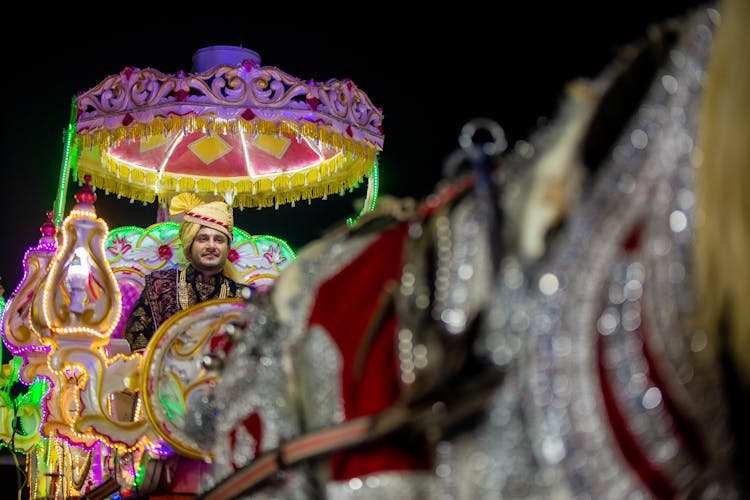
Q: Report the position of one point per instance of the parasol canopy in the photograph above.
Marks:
(254, 136)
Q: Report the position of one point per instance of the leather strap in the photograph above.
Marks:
(355, 432)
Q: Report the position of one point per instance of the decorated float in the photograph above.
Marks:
(528, 330)
(94, 419)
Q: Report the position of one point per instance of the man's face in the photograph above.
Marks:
(209, 250)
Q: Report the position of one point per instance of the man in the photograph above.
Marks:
(206, 235)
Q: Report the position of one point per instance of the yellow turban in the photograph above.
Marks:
(194, 213)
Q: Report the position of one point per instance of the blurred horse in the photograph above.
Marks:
(536, 328)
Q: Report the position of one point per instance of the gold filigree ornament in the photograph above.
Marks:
(180, 370)
(254, 136)
(80, 305)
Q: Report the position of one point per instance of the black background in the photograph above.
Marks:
(428, 77)
(430, 72)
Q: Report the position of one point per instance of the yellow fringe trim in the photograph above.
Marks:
(332, 176)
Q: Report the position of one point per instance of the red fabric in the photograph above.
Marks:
(652, 476)
(344, 306)
(254, 427)
(230, 163)
(660, 484)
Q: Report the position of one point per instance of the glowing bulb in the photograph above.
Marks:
(78, 273)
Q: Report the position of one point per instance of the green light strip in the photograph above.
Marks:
(372, 196)
(375, 187)
(69, 160)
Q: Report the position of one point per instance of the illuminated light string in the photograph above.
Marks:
(68, 465)
(78, 214)
(67, 373)
(69, 159)
(63, 373)
(26, 437)
(371, 199)
(333, 175)
(139, 251)
(62, 442)
(32, 414)
(35, 257)
(76, 436)
(42, 247)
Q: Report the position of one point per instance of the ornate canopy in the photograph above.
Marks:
(252, 135)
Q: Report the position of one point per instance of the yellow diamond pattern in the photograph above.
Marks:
(272, 145)
(210, 148)
(152, 142)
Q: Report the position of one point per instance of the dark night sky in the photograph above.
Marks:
(429, 78)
